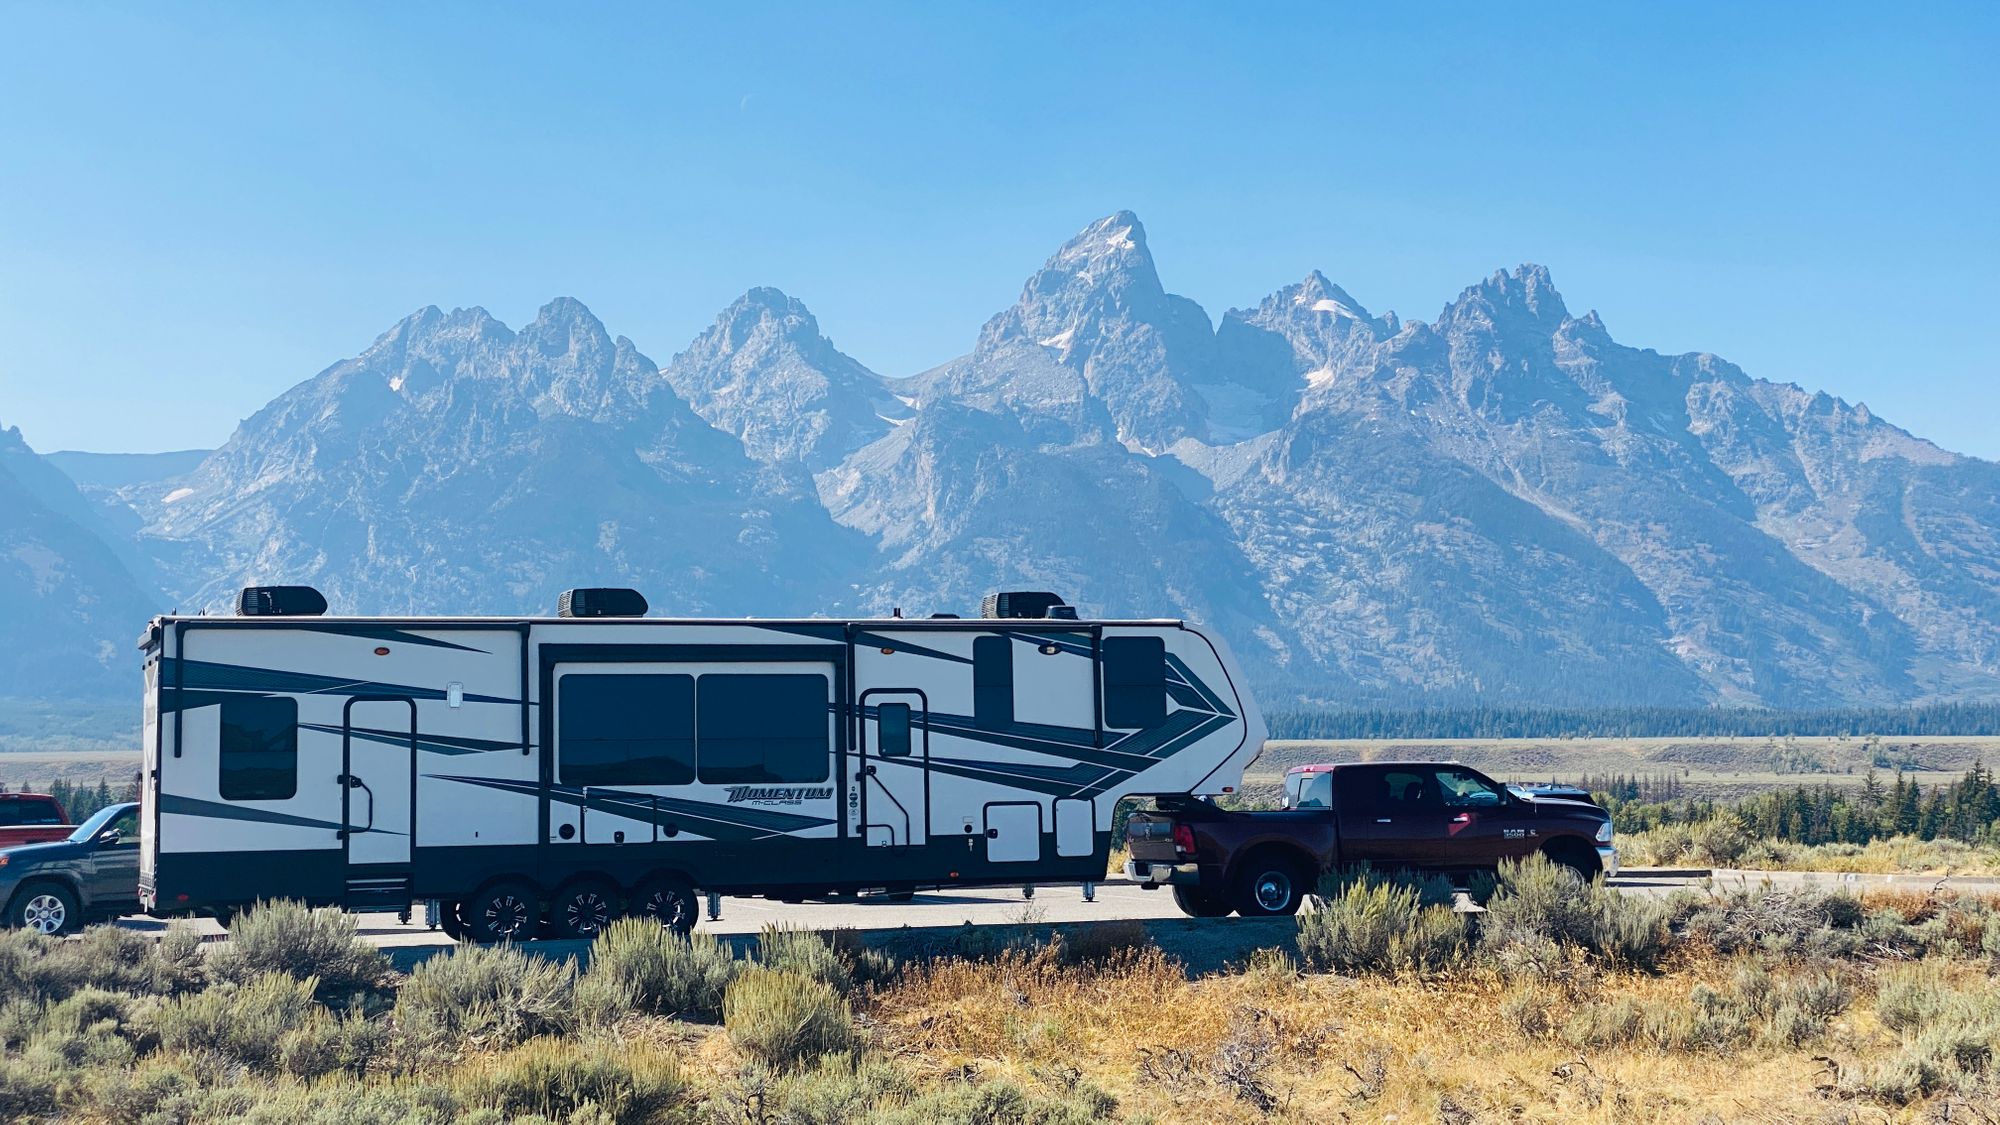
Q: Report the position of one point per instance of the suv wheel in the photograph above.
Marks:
(1197, 903)
(45, 908)
(1269, 886)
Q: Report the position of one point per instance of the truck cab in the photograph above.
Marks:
(1428, 816)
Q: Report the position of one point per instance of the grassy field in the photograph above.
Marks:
(37, 769)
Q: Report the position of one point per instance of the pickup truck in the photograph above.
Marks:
(1427, 816)
(32, 818)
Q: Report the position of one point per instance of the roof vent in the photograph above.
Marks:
(280, 601)
(610, 602)
(1034, 604)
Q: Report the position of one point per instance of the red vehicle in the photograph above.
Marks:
(1436, 816)
(32, 818)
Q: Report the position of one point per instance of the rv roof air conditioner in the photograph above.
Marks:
(280, 601)
(1033, 604)
(604, 602)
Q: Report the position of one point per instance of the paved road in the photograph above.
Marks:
(1000, 905)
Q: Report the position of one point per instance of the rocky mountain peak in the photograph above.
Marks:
(1527, 295)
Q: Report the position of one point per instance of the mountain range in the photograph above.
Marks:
(1500, 504)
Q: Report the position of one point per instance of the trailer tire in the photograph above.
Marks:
(668, 900)
(505, 911)
(1198, 903)
(451, 920)
(583, 908)
(1269, 884)
(46, 908)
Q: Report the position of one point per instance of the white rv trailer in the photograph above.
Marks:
(547, 774)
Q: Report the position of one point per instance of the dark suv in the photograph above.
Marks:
(55, 888)
(1438, 816)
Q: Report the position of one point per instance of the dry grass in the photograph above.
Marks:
(1903, 855)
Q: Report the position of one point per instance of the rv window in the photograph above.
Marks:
(892, 730)
(625, 730)
(1135, 681)
(992, 683)
(259, 759)
(759, 728)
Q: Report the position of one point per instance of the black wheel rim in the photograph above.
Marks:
(670, 908)
(587, 912)
(506, 915)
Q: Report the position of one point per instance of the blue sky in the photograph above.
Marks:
(200, 206)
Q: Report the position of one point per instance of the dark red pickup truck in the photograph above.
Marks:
(1436, 816)
(32, 818)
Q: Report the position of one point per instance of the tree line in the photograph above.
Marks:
(1967, 809)
(1636, 722)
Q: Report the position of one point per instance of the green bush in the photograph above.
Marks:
(44, 969)
(285, 937)
(244, 1023)
(487, 996)
(1599, 1024)
(27, 1090)
(840, 1089)
(998, 1102)
(1709, 1022)
(1790, 922)
(1802, 1007)
(561, 1080)
(788, 950)
(785, 1020)
(1539, 901)
(1367, 922)
(637, 966)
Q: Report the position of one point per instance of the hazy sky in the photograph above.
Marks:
(200, 206)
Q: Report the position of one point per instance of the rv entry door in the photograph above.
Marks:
(378, 780)
(895, 767)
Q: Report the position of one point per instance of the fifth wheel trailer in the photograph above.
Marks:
(547, 774)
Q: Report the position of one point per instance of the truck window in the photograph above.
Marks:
(18, 812)
(1135, 682)
(1293, 784)
(1317, 792)
(992, 683)
(127, 826)
(764, 727)
(259, 749)
(625, 729)
(1399, 789)
(1463, 789)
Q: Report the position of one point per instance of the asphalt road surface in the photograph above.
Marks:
(1065, 903)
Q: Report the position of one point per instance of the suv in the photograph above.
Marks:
(1438, 816)
(56, 888)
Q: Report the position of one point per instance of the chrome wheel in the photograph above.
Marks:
(45, 914)
(1273, 891)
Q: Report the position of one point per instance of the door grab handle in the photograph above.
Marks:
(357, 783)
(1381, 820)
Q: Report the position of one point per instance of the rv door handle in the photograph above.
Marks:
(1381, 820)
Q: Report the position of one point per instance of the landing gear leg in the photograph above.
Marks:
(714, 907)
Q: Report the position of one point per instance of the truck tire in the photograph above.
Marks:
(1269, 884)
(45, 908)
(1576, 856)
(667, 900)
(1197, 903)
(505, 911)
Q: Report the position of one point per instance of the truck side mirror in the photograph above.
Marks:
(108, 838)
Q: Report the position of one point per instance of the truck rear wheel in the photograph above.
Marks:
(1197, 903)
(1269, 885)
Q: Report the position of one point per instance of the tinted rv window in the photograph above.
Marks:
(757, 728)
(892, 730)
(1135, 681)
(992, 683)
(259, 749)
(625, 730)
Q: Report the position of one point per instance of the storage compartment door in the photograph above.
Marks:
(1076, 827)
(1013, 833)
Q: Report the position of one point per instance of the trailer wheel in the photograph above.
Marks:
(1197, 903)
(666, 900)
(451, 920)
(506, 911)
(45, 908)
(1268, 885)
(584, 908)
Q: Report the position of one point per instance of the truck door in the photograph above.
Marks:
(1483, 822)
(895, 767)
(378, 777)
(1390, 816)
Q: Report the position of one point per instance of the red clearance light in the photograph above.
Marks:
(383, 651)
(1229, 789)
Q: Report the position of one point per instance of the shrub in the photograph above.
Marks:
(1605, 1023)
(285, 937)
(1910, 996)
(784, 1020)
(993, 1103)
(1367, 922)
(560, 1080)
(1791, 922)
(1802, 1007)
(1102, 943)
(487, 995)
(637, 966)
(118, 960)
(840, 1089)
(1539, 901)
(27, 1090)
(789, 950)
(246, 1024)
(1708, 1022)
